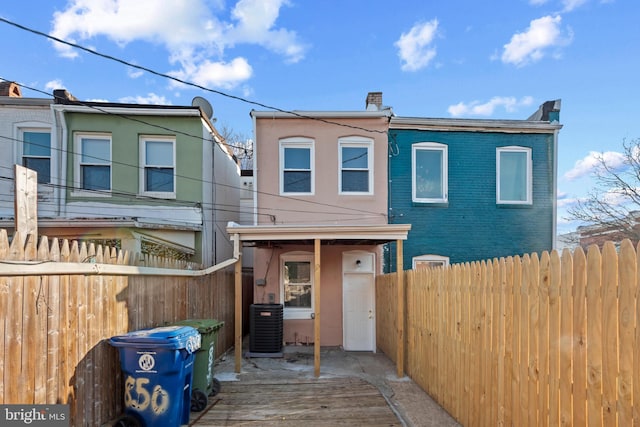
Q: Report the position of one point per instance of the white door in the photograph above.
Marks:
(358, 293)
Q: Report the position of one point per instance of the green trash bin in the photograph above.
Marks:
(204, 383)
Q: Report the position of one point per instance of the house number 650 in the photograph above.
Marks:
(137, 396)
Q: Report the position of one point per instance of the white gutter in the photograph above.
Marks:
(53, 268)
(96, 108)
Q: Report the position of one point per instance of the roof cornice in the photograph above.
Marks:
(132, 110)
(476, 125)
(299, 114)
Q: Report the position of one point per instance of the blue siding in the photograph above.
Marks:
(471, 226)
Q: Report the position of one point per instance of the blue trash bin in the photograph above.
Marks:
(157, 365)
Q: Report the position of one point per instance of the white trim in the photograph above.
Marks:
(36, 126)
(382, 232)
(134, 109)
(297, 313)
(359, 142)
(430, 146)
(429, 258)
(77, 157)
(296, 142)
(528, 176)
(142, 141)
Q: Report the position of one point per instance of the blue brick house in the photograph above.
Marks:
(473, 189)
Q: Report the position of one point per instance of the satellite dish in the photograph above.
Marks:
(204, 105)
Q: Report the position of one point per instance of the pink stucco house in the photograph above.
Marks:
(320, 219)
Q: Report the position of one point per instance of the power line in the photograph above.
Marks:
(203, 181)
(187, 83)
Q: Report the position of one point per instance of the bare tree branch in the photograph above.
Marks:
(612, 206)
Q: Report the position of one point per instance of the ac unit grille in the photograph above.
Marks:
(265, 334)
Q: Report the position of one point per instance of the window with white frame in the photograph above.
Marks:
(296, 166)
(93, 161)
(297, 285)
(513, 180)
(36, 152)
(157, 168)
(429, 172)
(356, 165)
(430, 261)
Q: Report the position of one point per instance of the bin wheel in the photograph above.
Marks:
(215, 387)
(199, 400)
(127, 421)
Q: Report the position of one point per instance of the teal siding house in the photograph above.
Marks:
(473, 189)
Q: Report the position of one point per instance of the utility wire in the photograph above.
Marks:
(184, 82)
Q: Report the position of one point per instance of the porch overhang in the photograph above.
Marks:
(265, 235)
(278, 235)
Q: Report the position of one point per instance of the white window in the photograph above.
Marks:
(93, 162)
(430, 261)
(296, 166)
(157, 168)
(356, 165)
(36, 152)
(513, 175)
(296, 271)
(429, 172)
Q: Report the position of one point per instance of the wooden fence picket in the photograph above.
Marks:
(54, 329)
(549, 339)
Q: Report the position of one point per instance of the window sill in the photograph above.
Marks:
(156, 195)
(430, 204)
(89, 193)
(514, 205)
(289, 314)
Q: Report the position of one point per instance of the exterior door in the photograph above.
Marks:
(358, 296)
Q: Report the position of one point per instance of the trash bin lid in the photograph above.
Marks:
(164, 337)
(204, 326)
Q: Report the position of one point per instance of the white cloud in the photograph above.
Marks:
(53, 85)
(531, 45)
(570, 5)
(218, 74)
(134, 73)
(150, 98)
(509, 103)
(194, 37)
(255, 24)
(415, 48)
(593, 161)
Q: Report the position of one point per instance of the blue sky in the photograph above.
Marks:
(459, 58)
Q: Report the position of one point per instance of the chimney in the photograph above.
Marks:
(10, 89)
(62, 96)
(374, 101)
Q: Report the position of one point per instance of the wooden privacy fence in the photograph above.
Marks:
(524, 341)
(54, 329)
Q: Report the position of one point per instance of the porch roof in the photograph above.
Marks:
(266, 235)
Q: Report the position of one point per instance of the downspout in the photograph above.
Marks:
(62, 144)
(53, 268)
(255, 171)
